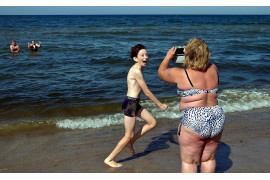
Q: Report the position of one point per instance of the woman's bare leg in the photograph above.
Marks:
(191, 146)
(129, 132)
(208, 162)
(150, 124)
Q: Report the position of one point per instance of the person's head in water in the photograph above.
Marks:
(13, 43)
(197, 55)
(139, 54)
(33, 42)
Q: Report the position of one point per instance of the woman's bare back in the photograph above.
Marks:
(201, 80)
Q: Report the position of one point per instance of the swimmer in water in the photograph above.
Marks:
(14, 47)
(33, 46)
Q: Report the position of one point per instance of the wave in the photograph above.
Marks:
(231, 100)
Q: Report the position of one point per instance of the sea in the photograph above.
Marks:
(77, 79)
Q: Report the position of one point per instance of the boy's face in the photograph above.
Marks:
(142, 57)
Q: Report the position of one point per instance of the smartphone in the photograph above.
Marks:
(179, 55)
(179, 52)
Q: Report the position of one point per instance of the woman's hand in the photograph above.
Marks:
(163, 107)
(171, 53)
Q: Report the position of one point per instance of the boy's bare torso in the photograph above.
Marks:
(134, 89)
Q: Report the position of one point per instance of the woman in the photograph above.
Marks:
(34, 46)
(203, 120)
(131, 106)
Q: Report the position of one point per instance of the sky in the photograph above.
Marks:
(105, 7)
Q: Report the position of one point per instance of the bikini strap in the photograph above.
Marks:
(188, 78)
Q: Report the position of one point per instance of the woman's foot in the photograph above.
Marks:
(112, 163)
(130, 146)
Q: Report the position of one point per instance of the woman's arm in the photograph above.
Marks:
(165, 73)
(139, 78)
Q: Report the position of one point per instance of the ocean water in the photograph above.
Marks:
(77, 79)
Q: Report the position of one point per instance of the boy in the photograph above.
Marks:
(131, 106)
(34, 46)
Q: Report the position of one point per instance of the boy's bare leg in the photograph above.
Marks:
(151, 123)
(130, 146)
(129, 132)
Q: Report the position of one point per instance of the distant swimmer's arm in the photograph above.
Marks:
(147, 92)
(11, 48)
(168, 74)
(29, 45)
(38, 45)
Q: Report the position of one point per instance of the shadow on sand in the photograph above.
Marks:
(223, 163)
(157, 143)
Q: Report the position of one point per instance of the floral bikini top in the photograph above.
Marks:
(194, 91)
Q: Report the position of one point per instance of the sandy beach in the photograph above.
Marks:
(244, 148)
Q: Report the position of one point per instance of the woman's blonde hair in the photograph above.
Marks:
(197, 55)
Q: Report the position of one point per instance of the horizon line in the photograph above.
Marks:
(128, 14)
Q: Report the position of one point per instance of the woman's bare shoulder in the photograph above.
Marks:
(177, 69)
(214, 66)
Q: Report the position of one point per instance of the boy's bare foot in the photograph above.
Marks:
(130, 146)
(112, 164)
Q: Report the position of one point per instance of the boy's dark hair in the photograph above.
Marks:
(135, 50)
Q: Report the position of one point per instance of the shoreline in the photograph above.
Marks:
(244, 148)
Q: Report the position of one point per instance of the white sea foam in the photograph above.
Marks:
(231, 100)
(92, 121)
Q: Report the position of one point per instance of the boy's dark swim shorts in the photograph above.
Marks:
(131, 106)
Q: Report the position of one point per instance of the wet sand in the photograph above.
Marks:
(244, 148)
